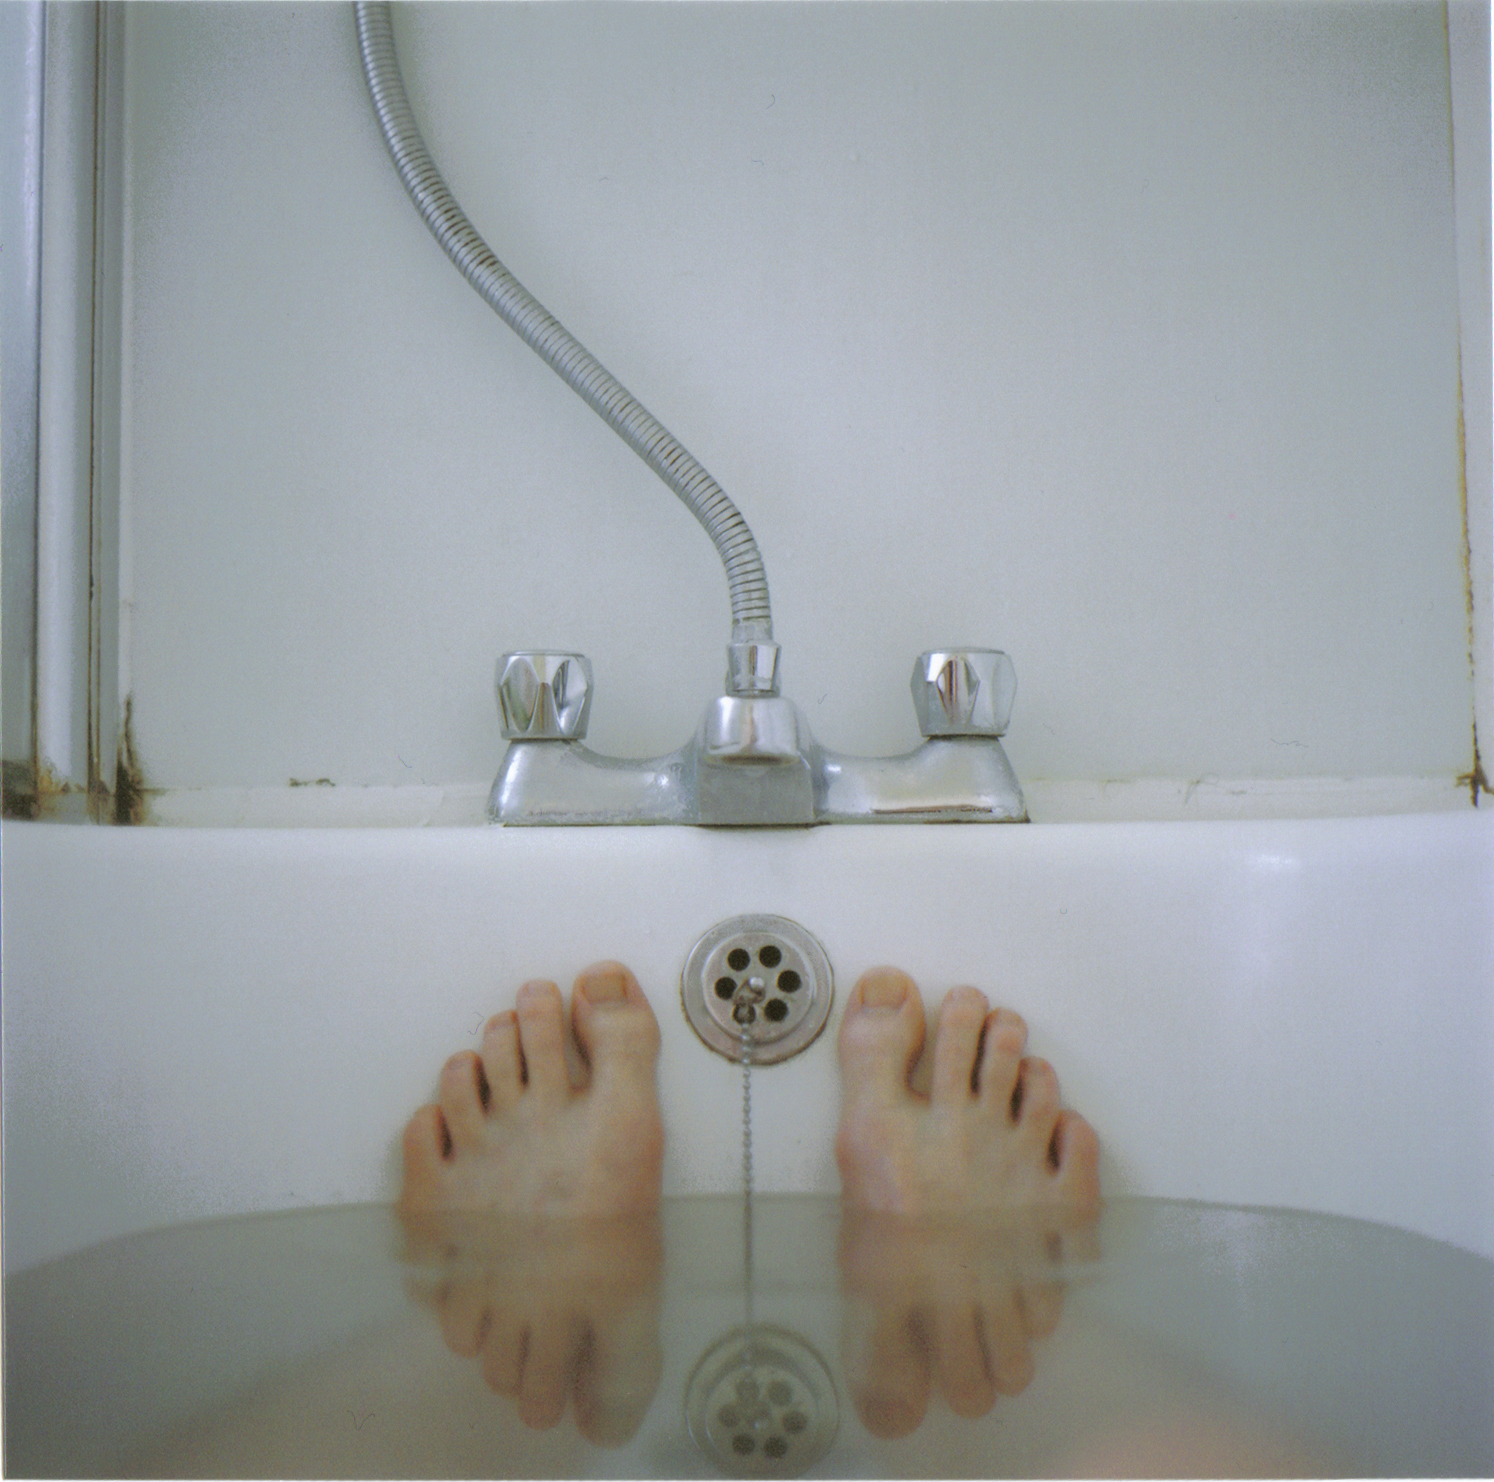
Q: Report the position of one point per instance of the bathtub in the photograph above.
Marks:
(1259, 1017)
(206, 1022)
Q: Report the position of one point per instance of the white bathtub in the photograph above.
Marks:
(205, 1022)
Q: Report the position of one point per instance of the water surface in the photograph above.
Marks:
(1170, 1338)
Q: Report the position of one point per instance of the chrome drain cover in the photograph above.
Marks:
(761, 1403)
(760, 978)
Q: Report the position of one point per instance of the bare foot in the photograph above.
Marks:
(991, 1134)
(512, 1136)
(959, 1205)
(538, 1199)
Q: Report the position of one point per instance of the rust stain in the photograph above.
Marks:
(129, 781)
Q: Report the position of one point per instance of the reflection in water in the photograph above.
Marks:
(952, 1305)
(551, 1311)
(761, 1403)
(1177, 1339)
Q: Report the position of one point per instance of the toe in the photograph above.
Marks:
(1001, 1056)
(464, 1317)
(615, 1028)
(964, 1375)
(501, 1063)
(1007, 1350)
(890, 1376)
(542, 1042)
(1075, 1149)
(880, 1036)
(962, 1017)
(617, 1377)
(504, 1342)
(549, 1362)
(462, 1097)
(424, 1145)
(1037, 1105)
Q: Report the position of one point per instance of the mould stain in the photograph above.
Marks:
(18, 790)
(1473, 779)
(35, 792)
(129, 780)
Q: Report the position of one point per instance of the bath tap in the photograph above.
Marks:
(752, 760)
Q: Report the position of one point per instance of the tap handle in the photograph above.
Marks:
(544, 696)
(963, 691)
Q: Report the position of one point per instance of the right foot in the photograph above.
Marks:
(990, 1135)
(959, 1204)
(511, 1135)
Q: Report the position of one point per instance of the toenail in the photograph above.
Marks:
(534, 991)
(883, 991)
(607, 986)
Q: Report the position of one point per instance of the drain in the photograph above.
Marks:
(759, 978)
(761, 1403)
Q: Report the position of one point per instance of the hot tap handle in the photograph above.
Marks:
(963, 691)
(544, 696)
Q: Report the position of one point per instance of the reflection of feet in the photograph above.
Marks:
(952, 1303)
(512, 1135)
(542, 1199)
(990, 1134)
(553, 1309)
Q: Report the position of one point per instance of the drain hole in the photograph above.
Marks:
(788, 981)
(743, 1445)
(775, 1446)
(776, 1010)
(725, 987)
(738, 958)
(794, 1422)
(770, 956)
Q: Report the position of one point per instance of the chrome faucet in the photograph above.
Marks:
(752, 761)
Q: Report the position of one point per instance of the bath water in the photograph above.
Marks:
(1166, 1339)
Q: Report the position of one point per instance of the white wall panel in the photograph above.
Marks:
(1124, 338)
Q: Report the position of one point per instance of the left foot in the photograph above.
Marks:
(511, 1135)
(539, 1199)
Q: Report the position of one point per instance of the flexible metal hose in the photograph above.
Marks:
(538, 328)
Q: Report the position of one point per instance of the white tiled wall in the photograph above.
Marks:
(1123, 337)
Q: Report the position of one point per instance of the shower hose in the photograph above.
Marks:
(537, 327)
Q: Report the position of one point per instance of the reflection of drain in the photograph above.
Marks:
(762, 978)
(761, 1404)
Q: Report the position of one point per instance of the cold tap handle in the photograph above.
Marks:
(963, 691)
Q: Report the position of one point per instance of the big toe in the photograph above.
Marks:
(615, 1027)
(880, 1036)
